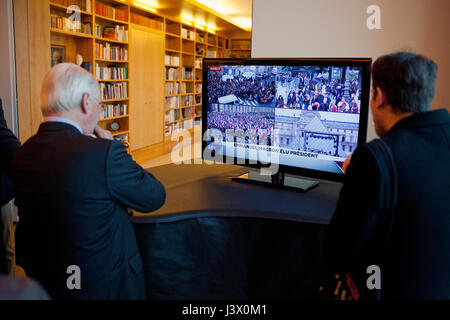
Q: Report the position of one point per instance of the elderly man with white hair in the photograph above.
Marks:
(73, 186)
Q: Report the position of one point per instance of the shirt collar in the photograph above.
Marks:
(64, 120)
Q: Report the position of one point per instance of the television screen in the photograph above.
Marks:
(306, 115)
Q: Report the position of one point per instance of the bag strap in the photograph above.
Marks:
(388, 177)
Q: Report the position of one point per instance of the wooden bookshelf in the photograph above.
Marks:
(185, 45)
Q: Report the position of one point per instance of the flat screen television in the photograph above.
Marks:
(300, 117)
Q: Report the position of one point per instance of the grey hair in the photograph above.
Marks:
(64, 86)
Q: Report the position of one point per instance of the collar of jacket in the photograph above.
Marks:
(57, 126)
(428, 118)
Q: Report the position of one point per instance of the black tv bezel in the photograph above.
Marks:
(365, 63)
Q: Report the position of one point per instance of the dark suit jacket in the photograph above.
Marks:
(8, 145)
(73, 192)
(417, 264)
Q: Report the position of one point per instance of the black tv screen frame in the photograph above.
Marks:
(364, 63)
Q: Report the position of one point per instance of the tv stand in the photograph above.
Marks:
(278, 180)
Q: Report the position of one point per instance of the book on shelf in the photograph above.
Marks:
(187, 112)
(171, 116)
(111, 73)
(187, 101)
(111, 12)
(187, 34)
(198, 99)
(67, 25)
(84, 5)
(187, 73)
(211, 54)
(111, 91)
(147, 22)
(198, 88)
(172, 60)
(172, 102)
(118, 33)
(172, 74)
(172, 88)
(171, 128)
(185, 88)
(198, 122)
(113, 110)
(107, 52)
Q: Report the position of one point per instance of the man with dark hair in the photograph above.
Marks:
(408, 238)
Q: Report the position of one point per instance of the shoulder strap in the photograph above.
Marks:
(388, 180)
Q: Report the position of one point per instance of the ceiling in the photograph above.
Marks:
(223, 15)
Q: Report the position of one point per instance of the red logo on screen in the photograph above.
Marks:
(215, 68)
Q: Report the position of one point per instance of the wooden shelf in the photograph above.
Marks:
(102, 80)
(173, 50)
(172, 95)
(171, 122)
(100, 17)
(115, 134)
(114, 118)
(110, 40)
(62, 7)
(73, 34)
(172, 66)
(168, 109)
(172, 35)
(115, 100)
(111, 61)
(172, 80)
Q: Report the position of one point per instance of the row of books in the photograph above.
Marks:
(147, 22)
(84, 5)
(67, 25)
(107, 52)
(212, 54)
(114, 90)
(111, 73)
(171, 115)
(187, 74)
(187, 113)
(113, 110)
(172, 102)
(172, 74)
(171, 128)
(172, 88)
(185, 88)
(187, 101)
(172, 60)
(187, 34)
(198, 88)
(111, 12)
(198, 99)
(118, 33)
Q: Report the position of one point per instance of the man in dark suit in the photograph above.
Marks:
(73, 186)
(8, 145)
(416, 261)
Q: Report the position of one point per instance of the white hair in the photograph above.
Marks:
(64, 86)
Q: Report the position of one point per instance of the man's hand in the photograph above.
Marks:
(102, 134)
(346, 163)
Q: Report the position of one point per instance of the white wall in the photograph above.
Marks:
(338, 28)
(7, 65)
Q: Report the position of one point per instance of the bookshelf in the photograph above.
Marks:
(102, 38)
(241, 48)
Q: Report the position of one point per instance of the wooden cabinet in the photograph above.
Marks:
(146, 86)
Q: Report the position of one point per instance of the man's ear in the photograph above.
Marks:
(85, 105)
(379, 97)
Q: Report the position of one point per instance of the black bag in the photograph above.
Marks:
(349, 285)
